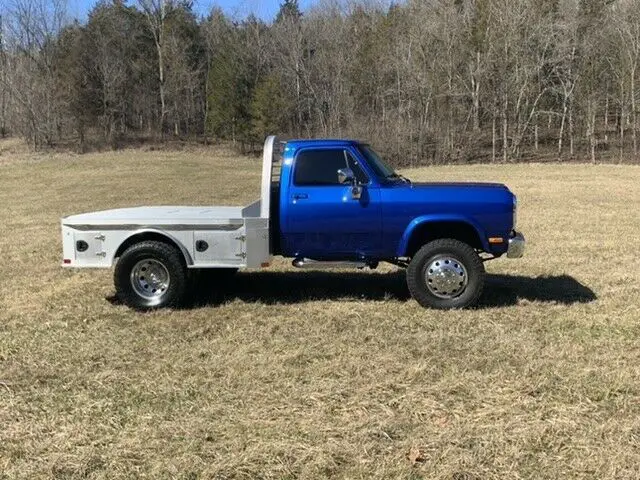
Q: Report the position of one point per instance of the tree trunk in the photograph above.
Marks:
(634, 123)
(163, 109)
(475, 87)
(298, 99)
(563, 119)
(505, 130)
(606, 121)
(593, 135)
(621, 121)
(493, 138)
(591, 126)
(571, 130)
(205, 113)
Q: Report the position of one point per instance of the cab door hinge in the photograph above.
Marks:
(241, 255)
(242, 238)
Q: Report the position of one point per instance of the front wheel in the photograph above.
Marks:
(150, 275)
(446, 274)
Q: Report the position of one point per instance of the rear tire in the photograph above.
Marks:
(150, 275)
(446, 274)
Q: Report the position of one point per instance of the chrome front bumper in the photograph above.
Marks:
(516, 246)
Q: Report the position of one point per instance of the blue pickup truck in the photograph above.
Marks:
(325, 204)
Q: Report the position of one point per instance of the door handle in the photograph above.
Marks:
(300, 196)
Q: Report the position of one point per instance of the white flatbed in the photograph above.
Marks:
(207, 236)
(144, 216)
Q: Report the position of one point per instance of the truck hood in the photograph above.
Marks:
(482, 185)
(456, 192)
(483, 202)
(156, 216)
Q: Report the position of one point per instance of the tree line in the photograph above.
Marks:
(428, 81)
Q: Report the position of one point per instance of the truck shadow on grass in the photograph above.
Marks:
(504, 290)
(296, 287)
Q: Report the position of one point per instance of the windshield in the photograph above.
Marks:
(377, 164)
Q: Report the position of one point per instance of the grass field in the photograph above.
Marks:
(291, 374)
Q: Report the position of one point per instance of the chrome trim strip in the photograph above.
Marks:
(170, 227)
(321, 264)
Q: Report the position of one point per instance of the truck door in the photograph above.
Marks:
(323, 218)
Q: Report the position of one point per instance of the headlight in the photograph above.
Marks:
(515, 212)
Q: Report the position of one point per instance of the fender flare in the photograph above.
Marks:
(156, 232)
(427, 219)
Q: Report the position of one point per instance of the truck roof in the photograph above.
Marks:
(322, 142)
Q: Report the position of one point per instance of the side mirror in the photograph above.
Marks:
(345, 175)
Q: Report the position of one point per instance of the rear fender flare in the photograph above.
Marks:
(152, 234)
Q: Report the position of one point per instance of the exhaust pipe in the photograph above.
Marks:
(320, 265)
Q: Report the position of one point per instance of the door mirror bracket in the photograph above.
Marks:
(346, 176)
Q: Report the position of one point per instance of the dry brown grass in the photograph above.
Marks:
(306, 375)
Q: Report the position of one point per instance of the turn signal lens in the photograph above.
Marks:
(496, 240)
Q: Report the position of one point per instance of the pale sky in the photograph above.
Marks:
(238, 9)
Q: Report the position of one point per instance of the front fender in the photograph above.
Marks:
(426, 219)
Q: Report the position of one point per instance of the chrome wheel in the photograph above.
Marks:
(150, 279)
(446, 277)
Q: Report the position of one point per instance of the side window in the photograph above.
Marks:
(361, 176)
(318, 167)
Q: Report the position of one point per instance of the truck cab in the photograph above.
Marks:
(324, 203)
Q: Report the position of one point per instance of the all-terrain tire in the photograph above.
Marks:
(151, 275)
(446, 274)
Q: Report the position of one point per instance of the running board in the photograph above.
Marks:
(320, 265)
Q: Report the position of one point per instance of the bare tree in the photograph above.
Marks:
(31, 27)
(431, 81)
(627, 46)
(156, 13)
(4, 94)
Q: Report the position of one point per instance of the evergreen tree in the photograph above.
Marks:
(289, 11)
(269, 108)
(75, 86)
